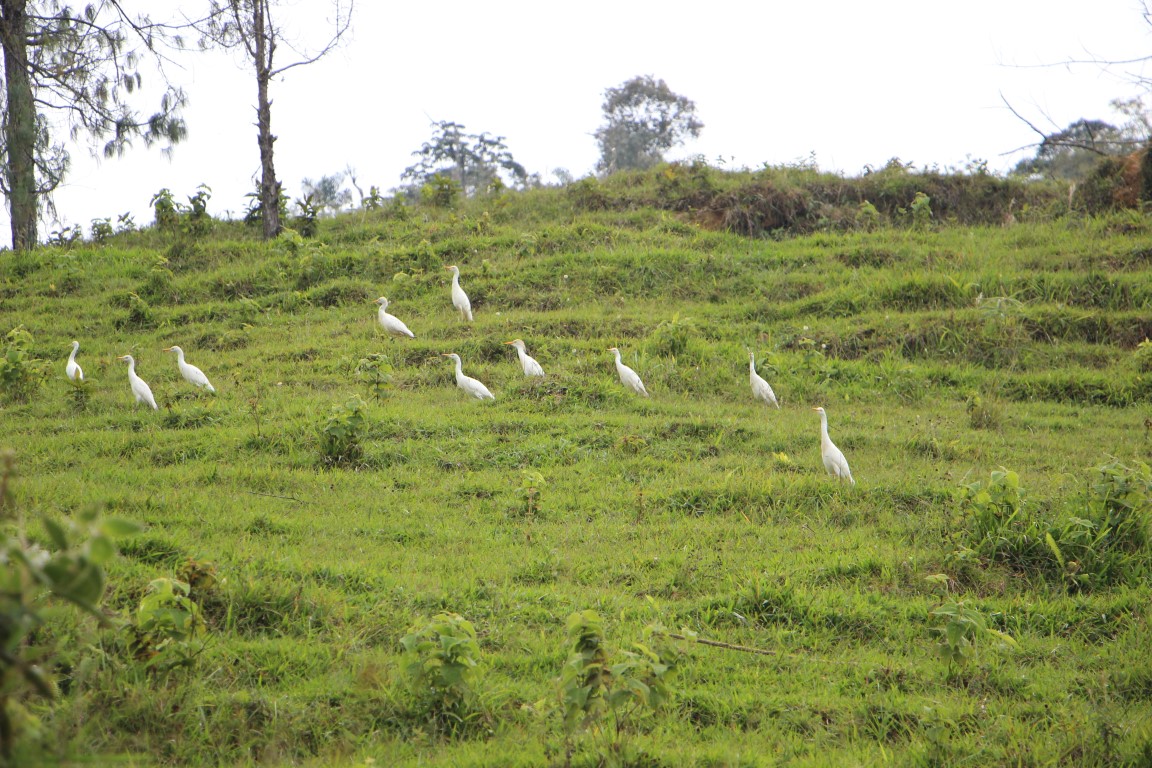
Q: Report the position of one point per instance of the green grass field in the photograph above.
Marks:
(941, 355)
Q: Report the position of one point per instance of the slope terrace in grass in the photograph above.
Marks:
(338, 491)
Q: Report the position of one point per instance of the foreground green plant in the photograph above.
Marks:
(441, 658)
(605, 695)
(34, 578)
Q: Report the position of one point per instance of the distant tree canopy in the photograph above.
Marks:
(474, 161)
(643, 120)
(327, 193)
(1075, 151)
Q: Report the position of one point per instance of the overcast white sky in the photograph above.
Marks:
(855, 83)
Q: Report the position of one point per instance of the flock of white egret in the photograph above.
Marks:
(834, 461)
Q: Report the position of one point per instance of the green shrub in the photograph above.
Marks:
(673, 337)
(342, 433)
(441, 658)
(20, 372)
(101, 230)
(166, 209)
(440, 192)
(921, 211)
(196, 219)
(867, 216)
(139, 312)
(306, 222)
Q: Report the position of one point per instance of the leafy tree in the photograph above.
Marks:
(473, 161)
(326, 192)
(249, 25)
(644, 119)
(78, 69)
(1073, 152)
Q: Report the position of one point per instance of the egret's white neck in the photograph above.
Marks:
(823, 426)
(75, 349)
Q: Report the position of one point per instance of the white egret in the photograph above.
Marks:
(628, 376)
(140, 388)
(73, 368)
(467, 383)
(834, 461)
(530, 366)
(191, 373)
(761, 390)
(459, 298)
(391, 324)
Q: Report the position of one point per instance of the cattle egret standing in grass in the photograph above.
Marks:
(140, 388)
(459, 298)
(191, 373)
(73, 369)
(467, 383)
(833, 457)
(391, 324)
(531, 367)
(761, 390)
(628, 376)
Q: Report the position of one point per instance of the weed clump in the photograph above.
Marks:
(984, 412)
(1103, 543)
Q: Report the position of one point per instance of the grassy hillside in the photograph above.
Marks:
(941, 353)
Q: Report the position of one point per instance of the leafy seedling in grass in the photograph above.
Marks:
(964, 628)
(441, 657)
(167, 628)
(604, 694)
(531, 482)
(376, 371)
(342, 433)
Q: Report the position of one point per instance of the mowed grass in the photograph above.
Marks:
(939, 355)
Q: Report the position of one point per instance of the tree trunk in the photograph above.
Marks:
(269, 186)
(19, 125)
